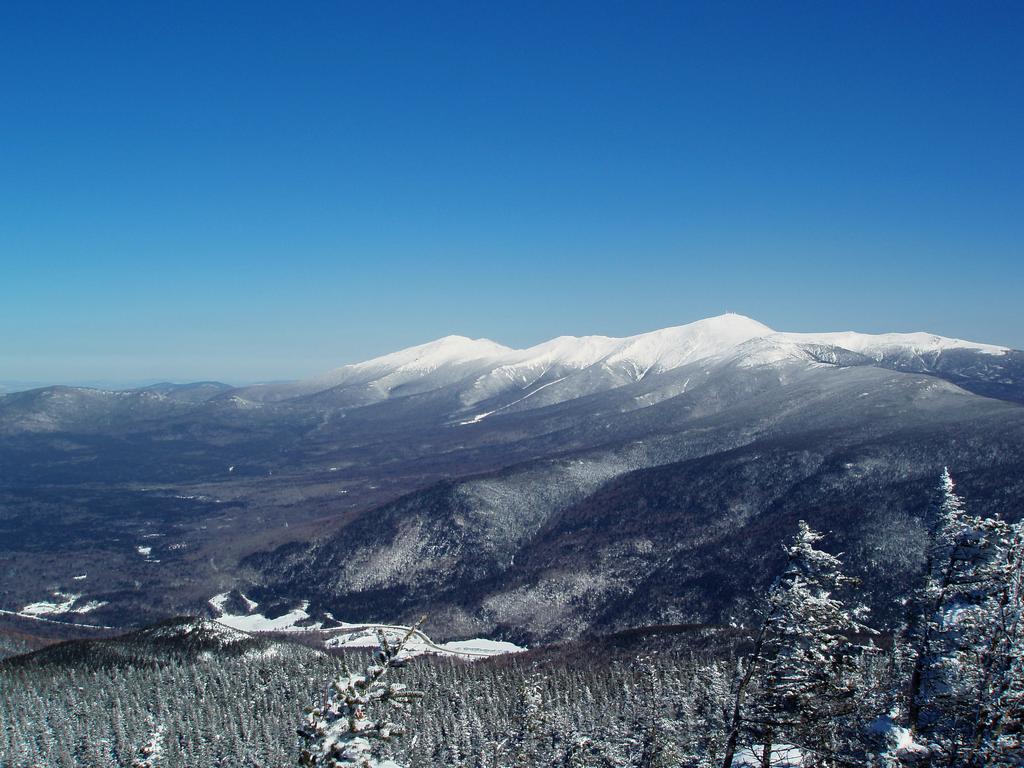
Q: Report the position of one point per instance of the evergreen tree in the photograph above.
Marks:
(527, 744)
(341, 732)
(997, 737)
(801, 669)
(968, 638)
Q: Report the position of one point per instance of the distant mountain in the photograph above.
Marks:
(481, 370)
(479, 378)
(583, 483)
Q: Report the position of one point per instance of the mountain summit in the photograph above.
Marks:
(481, 369)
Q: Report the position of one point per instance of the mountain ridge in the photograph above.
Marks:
(496, 366)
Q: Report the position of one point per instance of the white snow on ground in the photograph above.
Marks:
(250, 604)
(92, 605)
(45, 607)
(360, 639)
(5, 612)
(783, 756)
(217, 601)
(432, 355)
(257, 622)
(80, 578)
(419, 644)
(144, 551)
(482, 646)
(62, 603)
(661, 350)
(900, 740)
(347, 635)
(478, 418)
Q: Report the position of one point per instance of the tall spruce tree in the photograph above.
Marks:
(342, 731)
(968, 638)
(797, 683)
(996, 739)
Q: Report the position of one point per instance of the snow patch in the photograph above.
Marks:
(257, 622)
(782, 756)
(347, 635)
(92, 605)
(63, 602)
(365, 636)
(46, 607)
(482, 647)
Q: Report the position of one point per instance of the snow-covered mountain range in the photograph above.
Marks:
(577, 365)
(585, 482)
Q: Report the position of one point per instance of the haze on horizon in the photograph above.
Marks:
(250, 192)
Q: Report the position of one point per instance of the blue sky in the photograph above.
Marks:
(266, 190)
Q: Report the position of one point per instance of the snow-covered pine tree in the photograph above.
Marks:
(527, 743)
(965, 641)
(340, 733)
(998, 738)
(801, 669)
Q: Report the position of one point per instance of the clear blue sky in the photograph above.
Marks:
(251, 191)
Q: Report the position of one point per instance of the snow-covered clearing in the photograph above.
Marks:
(366, 637)
(18, 614)
(257, 622)
(62, 603)
(349, 635)
(47, 607)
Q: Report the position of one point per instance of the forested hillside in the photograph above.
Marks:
(809, 683)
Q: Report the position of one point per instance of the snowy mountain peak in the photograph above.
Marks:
(732, 323)
(671, 347)
(482, 369)
(877, 344)
(729, 334)
(447, 350)
(664, 348)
